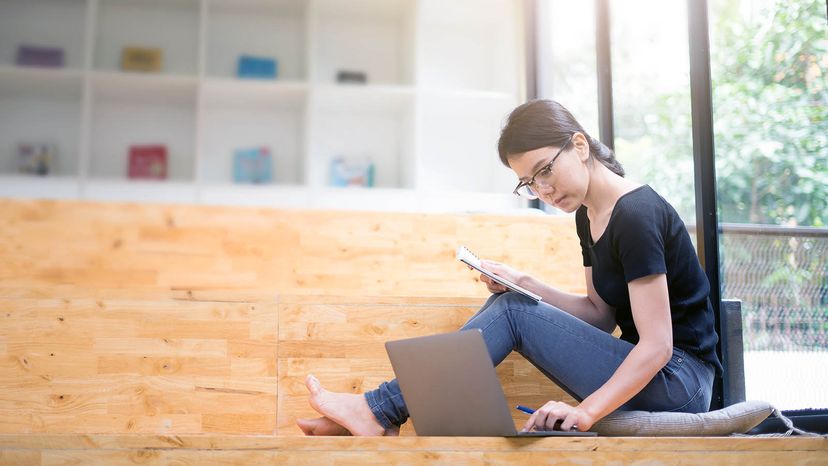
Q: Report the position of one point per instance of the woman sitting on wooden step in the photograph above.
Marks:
(642, 274)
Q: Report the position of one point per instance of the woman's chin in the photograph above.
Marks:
(563, 205)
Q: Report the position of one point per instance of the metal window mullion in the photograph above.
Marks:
(603, 69)
(701, 104)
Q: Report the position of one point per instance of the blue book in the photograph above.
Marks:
(352, 172)
(253, 165)
(257, 67)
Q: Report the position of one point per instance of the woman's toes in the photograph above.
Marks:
(321, 426)
(313, 385)
(307, 425)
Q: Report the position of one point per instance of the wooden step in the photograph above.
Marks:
(184, 366)
(116, 246)
(341, 341)
(50, 449)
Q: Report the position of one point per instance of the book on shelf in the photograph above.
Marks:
(37, 55)
(147, 162)
(36, 158)
(352, 171)
(257, 67)
(145, 59)
(252, 165)
(351, 77)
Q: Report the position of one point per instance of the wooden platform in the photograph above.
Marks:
(109, 249)
(141, 334)
(189, 367)
(26, 450)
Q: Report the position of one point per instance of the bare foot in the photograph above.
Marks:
(321, 426)
(348, 410)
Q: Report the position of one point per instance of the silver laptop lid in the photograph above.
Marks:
(450, 385)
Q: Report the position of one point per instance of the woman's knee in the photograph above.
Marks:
(500, 305)
(495, 307)
(514, 300)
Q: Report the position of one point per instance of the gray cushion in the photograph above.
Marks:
(737, 418)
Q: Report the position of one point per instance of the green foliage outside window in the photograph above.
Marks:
(771, 114)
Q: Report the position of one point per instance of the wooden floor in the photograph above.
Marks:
(141, 334)
(189, 367)
(25, 450)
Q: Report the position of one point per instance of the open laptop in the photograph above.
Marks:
(451, 388)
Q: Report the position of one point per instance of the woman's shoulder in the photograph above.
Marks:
(644, 208)
(642, 198)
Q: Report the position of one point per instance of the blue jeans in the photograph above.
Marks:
(575, 355)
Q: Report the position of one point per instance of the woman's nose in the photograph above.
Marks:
(545, 190)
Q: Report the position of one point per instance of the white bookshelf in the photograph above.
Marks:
(441, 77)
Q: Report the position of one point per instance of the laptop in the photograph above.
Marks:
(451, 388)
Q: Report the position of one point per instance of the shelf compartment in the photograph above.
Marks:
(51, 23)
(137, 110)
(469, 44)
(267, 28)
(374, 121)
(375, 37)
(41, 106)
(458, 134)
(171, 25)
(252, 115)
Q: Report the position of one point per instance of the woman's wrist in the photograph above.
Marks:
(592, 411)
(524, 281)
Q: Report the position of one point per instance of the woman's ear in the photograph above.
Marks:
(581, 145)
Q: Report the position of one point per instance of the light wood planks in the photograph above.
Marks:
(341, 341)
(170, 366)
(253, 450)
(158, 333)
(110, 249)
(185, 366)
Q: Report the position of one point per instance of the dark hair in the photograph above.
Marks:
(544, 123)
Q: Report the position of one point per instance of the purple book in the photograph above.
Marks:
(33, 55)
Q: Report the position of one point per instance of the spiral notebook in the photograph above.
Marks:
(467, 257)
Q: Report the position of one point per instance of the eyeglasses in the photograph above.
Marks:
(541, 178)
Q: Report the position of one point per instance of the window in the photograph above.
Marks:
(651, 98)
(769, 60)
(769, 70)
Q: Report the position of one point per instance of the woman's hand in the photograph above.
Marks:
(555, 412)
(501, 270)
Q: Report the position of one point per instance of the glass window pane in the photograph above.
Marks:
(651, 98)
(769, 60)
(566, 45)
(566, 64)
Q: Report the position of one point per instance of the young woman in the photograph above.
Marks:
(641, 272)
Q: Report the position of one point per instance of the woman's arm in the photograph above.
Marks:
(650, 304)
(590, 308)
(651, 312)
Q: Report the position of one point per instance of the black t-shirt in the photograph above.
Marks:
(646, 236)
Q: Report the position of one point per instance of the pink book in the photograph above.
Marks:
(148, 162)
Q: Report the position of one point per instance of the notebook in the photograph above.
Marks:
(467, 257)
(451, 388)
